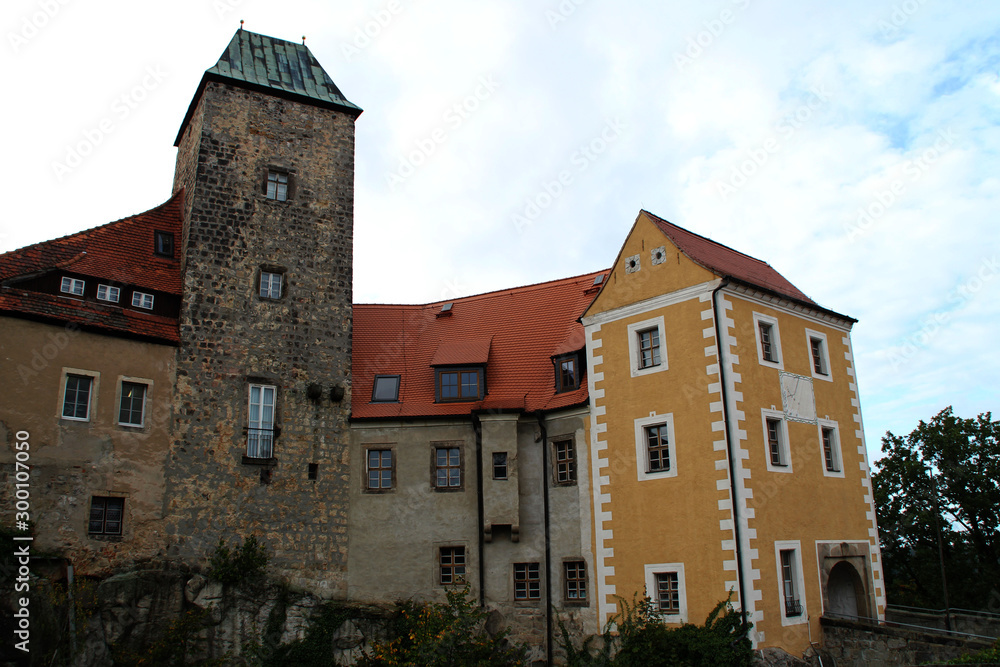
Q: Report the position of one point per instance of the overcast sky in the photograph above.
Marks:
(852, 145)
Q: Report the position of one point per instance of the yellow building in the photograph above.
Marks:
(711, 378)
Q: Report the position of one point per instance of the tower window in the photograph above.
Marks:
(277, 185)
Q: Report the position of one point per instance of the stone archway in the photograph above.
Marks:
(845, 592)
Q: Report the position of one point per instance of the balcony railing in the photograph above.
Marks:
(260, 443)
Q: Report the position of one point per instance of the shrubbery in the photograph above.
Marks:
(247, 561)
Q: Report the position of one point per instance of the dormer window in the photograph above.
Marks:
(142, 300)
(163, 244)
(567, 373)
(459, 384)
(277, 185)
(108, 293)
(72, 286)
(386, 389)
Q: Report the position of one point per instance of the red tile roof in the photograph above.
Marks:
(520, 329)
(728, 262)
(119, 252)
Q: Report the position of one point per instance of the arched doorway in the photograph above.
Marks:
(846, 592)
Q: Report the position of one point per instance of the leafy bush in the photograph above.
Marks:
(247, 561)
(644, 640)
(451, 634)
(988, 656)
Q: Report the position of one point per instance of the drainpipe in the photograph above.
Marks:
(478, 428)
(548, 536)
(737, 534)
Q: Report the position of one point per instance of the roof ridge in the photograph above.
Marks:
(528, 287)
(705, 238)
(89, 230)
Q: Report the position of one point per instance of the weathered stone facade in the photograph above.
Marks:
(853, 644)
(299, 343)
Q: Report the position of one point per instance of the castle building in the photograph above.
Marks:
(685, 423)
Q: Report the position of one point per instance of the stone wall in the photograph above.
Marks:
(987, 625)
(853, 644)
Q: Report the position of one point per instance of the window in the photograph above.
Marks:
(108, 293)
(72, 286)
(790, 581)
(668, 597)
(270, 285)
(380, 469)
(464, 384)
(527, 581)
(163, 244)
(499, 465)
(313, 472)
(819, 355)
(76, 399)
(277, 186)
(567, 374)
(665, 585)
(646, 347)
(386, 389)
(106, 516)
(829, 450)
(142, 300)
(655, 456)
(448, 468)
(768, 340)
(575, 577)
(774, 446)
(452, 565)
(260, 432)
(565, 459)
(829, 440)
(132, 406)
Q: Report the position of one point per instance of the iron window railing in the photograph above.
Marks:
(260, 443)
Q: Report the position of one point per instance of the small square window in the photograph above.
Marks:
(108, 293)
(527, 581)
(142, 300)
(499, 465)
(76, 400)
(133, 402)
(277, 186)
(386, 389)
(452, 565)
(567, 373)
(668, 596)
(72, 286)
(565, 460)
(575, 576)
(270, 285)
(381, 470)
(163, 244)
(106, 516)
(448, 468)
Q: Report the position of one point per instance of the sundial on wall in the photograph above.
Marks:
(797, 398)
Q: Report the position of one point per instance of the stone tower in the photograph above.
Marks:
(266, 162)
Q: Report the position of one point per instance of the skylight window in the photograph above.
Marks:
(386, 389)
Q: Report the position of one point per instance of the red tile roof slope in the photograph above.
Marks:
(527, 325)
(728, 262)
(120, 251)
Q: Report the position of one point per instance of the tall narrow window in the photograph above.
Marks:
(788, 583)
(567, 375)
(380, 469)
(260, 432)
(649, 348)
(767, 348)
(816, 347)
(774, 443)
(76, 400)
(499, 465)
(565, 459)
(277, 186)
(668, 597)
(447, 467)
(658, 448)
(575, 575)
(106, 515)
(452, 565)
(527, 581)
(133, 401)
(830, 449)
(270, 285)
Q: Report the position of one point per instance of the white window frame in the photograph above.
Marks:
(838, 457)
(145, 400)
(641, 459)
(663, 568)
(776, 344)
(111, 293)
(139, 300)
(825, 356)
(633, 346)
(260, 422)
(95, 378)
(784, 444)
(268, 277)
(72, 286)
(798, 581)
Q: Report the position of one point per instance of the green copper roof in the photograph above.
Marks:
(275, 63)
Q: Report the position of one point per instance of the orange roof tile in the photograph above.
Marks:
(522, 328)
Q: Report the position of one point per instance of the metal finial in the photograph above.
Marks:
(241, 24)
(303, 39)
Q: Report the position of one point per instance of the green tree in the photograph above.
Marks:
(937, 492)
